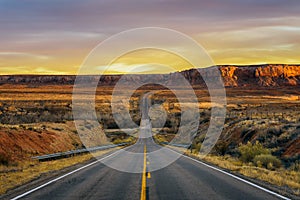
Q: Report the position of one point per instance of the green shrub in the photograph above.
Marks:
(249, 151)
(267, 160)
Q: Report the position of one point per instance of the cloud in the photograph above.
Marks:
(122, 68)
(261, 44)
(66, 31)
(27, 69)
(23, 55)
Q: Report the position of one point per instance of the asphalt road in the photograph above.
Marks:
(183, 179)
(169, 176)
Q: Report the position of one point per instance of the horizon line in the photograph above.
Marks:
(118, 74)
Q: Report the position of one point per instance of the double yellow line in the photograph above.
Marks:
(144, 175)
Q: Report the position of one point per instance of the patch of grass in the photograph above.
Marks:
(280, 177)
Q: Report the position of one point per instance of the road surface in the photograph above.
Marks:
(183, 179)
(141, 177)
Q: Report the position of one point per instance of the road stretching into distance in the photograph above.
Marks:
(185, 178)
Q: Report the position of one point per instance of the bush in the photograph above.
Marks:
(274, 131)
(249, 151)
(130, 140)
(221, 148)
(4, 160)
(295, 166)
(195, 147)
(268, 161)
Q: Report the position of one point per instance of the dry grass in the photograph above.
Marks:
(11, 177)
(279, 177)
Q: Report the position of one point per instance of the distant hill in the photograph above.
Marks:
(268, 75)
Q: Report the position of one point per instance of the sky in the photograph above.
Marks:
(56, 36)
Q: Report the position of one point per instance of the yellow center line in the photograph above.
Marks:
(148, 175)
(144, 178)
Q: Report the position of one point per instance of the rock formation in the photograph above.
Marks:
(233, 76)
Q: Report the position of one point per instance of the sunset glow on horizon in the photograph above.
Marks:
(54, 37)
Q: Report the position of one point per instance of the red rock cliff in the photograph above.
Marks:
(261, 75)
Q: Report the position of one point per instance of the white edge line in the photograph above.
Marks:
(236, 177)
(209, 166)
(63, 176)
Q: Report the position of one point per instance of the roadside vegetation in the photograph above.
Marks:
(130, 140)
